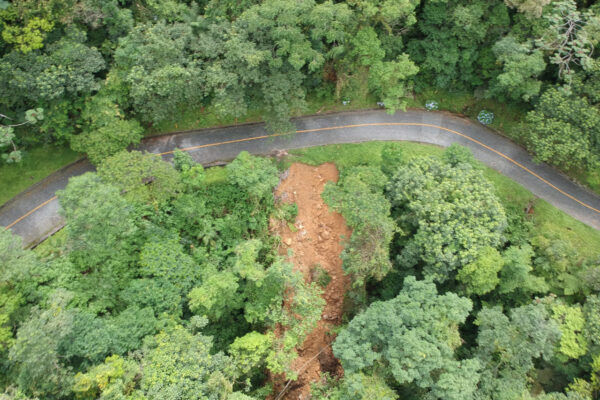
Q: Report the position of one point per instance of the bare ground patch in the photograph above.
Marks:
(316, 242)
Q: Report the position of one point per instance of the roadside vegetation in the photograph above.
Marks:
(421, 273)
(167, 282)
(98, 76)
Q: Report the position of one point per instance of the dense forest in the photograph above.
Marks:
(167, 281)
(97, 74)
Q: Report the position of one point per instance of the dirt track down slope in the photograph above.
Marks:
(316, 243)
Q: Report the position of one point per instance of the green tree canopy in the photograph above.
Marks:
(414, 335)
(509, 345)
(449, 213)
(358, 196)
(143, 178)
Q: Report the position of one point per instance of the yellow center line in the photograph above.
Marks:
(30, 212)
(347, 127)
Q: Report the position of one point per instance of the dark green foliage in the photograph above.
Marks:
(157, 65)
(509, 345)
(160, 295)
(156, 260)
(414, 335)
(321, 276)
(164, 259)
(453, 47)
(37, 366)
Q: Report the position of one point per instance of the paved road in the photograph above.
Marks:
(34, 214)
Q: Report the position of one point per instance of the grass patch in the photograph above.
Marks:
(508, 121)
(546, 218)
(348, 155)
(206, 117)
(507, 116)
(38, 163)
(215, 175)
(52, 247)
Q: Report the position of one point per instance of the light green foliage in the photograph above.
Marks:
(358, 196)
(36, 362)
(258, 291)
(393, 15)
(299, 316)
(249, 353)
(509, 345)
(591, 314)
(531, 8)
(456, 154)
(255, 175)
(565, 130)
(29, 37)
(392, 156)
(555, 261)
(169, 10)
(265, 292)
(7, 135)
(179, 365)
(387, 79)
(449, 215)
(143, 178)
(357, 386)
(521, 66)
(101, 236)
(107, 132)
(216, 297)
(115, 375)
(362, 387)
(516, 276)
(164, 258)
(246, 265)
(10, 301)
(571, 323)
(571, 36)
(414, 336)
(481, 276)
(16, 265)
(269, 50)
(99, 220)
(192, 173)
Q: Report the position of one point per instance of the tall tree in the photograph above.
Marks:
(414, 336)
(565, 130)
(358, 196)
(449, 214)
(158, 65)
(102, 236)
(144, 178)
(509, 345)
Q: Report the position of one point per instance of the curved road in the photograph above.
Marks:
(34, 214)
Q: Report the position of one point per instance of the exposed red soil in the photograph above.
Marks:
(317, 241)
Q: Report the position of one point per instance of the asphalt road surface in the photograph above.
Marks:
(34, 214)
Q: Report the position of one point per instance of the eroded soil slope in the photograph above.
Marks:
(316, 242)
